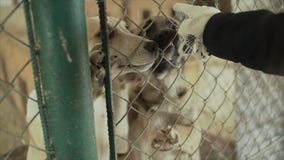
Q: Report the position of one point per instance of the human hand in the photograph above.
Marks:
(193, 22)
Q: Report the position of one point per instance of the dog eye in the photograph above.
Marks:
(148, 23)
(149, 26)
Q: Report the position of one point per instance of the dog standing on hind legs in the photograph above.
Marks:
(160, 129)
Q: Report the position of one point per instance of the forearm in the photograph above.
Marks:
(253, 38)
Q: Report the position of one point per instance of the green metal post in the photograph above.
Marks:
(63, 56)
(107, 80)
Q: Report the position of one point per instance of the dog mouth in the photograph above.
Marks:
(137, 63)
(136, 68)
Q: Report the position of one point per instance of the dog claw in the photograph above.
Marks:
(166, 139)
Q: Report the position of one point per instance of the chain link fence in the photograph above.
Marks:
(16, 79)
(180, 108)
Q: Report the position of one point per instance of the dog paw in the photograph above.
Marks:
(166, 139)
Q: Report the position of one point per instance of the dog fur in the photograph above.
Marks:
(128, 53)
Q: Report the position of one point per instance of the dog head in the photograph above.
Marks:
(128, 52)
(163, 31)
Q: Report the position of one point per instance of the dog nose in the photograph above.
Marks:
(165, 37)
(167, 34)
(151, 46)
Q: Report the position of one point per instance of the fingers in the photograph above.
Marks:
(182, 7)
(192, 26)
(181, 11)
(192, 11)
(189, 10)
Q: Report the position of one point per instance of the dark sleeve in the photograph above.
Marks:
(254, 39)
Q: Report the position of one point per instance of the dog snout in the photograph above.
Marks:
(151, 47)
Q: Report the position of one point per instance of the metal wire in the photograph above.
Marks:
(107, 80)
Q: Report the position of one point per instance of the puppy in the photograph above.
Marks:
(168, 70)
(128, 53)
(166, 75)
(165, 82)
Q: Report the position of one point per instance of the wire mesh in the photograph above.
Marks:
(198, 110)
(15, 74)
